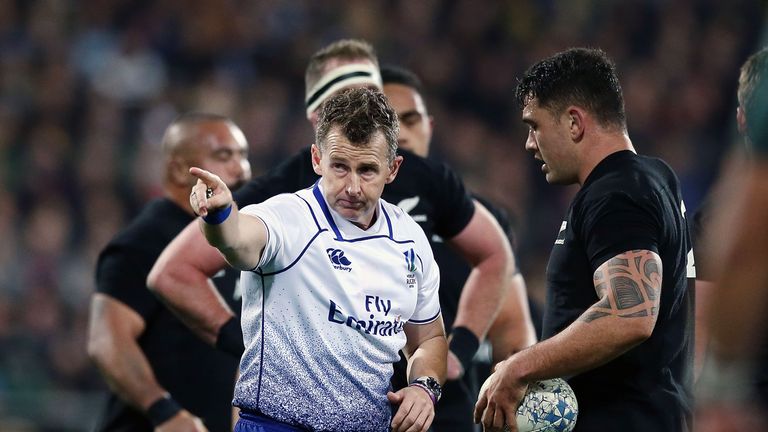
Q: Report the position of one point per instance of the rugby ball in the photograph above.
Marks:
(548, 406)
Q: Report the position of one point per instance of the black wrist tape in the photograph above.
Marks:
(230, 337)
(464, 345)
(162, 410)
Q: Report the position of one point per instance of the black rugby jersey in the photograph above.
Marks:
(199, 377)
(628, 202)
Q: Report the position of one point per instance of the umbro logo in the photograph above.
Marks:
(340, 262)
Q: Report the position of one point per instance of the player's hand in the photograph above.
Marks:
(499, 398)
(210, 193)
(184, 421)
(415, 412)
(454, 368)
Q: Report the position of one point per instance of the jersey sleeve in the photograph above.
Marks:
(454, 206)
(698, 225)
(428, 302)
(616, 223)
(278, 213)
(121, 274)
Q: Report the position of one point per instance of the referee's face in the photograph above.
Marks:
(353, 176)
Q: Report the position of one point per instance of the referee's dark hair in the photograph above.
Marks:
(391, 74)
(360, 113)
(578, 76)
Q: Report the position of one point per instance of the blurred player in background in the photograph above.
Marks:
(431, 189)
(512, 330)
(160, 374)
(619, 316)
(732, 238)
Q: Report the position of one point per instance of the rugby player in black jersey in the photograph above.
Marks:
(159, 372)
(618, 323)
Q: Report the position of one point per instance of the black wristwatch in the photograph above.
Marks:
(431, 385)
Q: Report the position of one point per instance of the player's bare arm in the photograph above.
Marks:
(513, 329)
(181, 278)
(483, 244)
(112, 344)
(628, 286)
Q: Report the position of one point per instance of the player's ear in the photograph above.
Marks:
(316, 159)
(741, 120)
(394, 168)
(575, 118)
(178, 172)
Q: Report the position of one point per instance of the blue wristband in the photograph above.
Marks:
(218, 216)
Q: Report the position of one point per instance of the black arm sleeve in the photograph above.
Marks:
(454, 207)
(121, 275)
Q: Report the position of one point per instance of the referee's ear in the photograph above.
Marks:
(316, 156)
(394, 168)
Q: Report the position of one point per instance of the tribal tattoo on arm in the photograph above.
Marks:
(628, 285)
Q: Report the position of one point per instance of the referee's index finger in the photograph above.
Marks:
(206, 176)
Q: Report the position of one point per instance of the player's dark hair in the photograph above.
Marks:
(391, 74)
(360, 113)
(584, 77)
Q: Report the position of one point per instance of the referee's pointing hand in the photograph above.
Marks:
(210, 193)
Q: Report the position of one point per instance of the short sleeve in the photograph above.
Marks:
(122, 274)
(428, 302)
(616, 223)
(275, 236)
(284, 218)
(454, 206)
(698, 225)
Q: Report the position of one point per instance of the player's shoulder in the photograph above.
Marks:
(420, 168)
(403, 225)
(628, 174)
(157, 222)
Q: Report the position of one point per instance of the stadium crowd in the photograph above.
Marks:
(87, 88)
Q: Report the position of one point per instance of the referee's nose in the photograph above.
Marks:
(353, 185)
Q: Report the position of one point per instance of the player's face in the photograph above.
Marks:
(415, 122)
(223, 150)
(353, 177)
(550, 143)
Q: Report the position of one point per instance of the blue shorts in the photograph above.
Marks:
(253, 422)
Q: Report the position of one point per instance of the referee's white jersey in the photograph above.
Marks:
(323, 312)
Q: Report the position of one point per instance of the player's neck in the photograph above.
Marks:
(602, 146)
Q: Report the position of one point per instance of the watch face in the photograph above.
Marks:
(432, 385)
